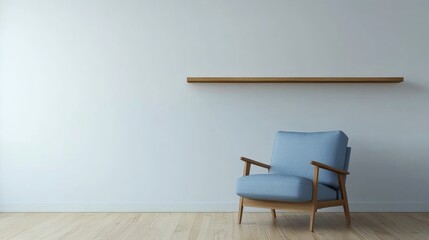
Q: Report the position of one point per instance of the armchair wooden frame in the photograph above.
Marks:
(310, 206)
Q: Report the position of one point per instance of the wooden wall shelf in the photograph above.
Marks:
(295, 79)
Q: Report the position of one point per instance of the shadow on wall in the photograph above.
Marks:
(388, 171)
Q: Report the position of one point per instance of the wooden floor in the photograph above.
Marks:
(114, 226)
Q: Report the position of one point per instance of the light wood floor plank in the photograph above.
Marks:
(184, 227)
(207, 230)
(207, 226)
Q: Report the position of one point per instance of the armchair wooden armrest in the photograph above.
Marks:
(248, 160)
(341, 174)
(329, 168)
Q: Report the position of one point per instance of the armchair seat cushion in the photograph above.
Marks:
(284, 188)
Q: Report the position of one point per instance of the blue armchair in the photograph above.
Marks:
(303, 166)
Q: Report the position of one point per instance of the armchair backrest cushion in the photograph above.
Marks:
(347, 162)
(293, 152)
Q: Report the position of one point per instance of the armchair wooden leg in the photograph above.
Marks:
(273, 213)
(240, 210)
(345, 200)
(314, 198)
(347, 212)
(312, 217)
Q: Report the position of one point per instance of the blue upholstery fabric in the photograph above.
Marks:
(277, 187)
(346, 163)
(346, 168)
(293, 152)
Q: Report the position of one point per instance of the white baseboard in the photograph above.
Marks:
(196, 207)
(119, 207)
(389, 206)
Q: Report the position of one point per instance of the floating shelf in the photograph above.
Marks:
(295, 79)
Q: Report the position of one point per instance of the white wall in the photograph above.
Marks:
(96, 114)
